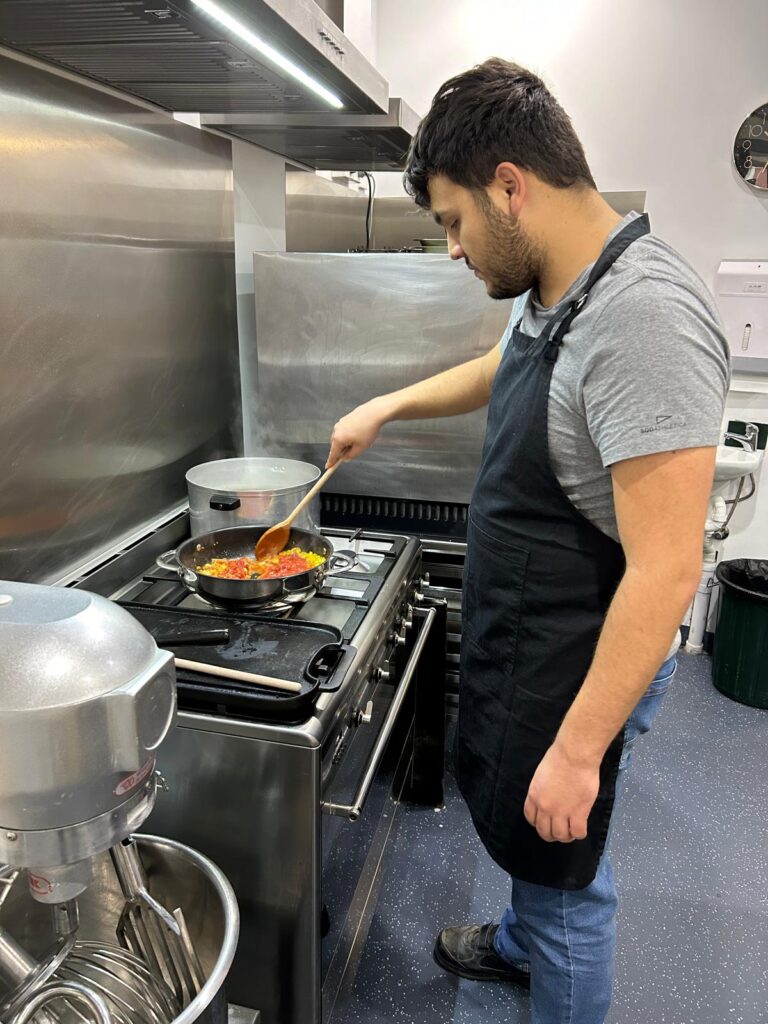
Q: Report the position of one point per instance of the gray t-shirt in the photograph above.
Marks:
(643, 369)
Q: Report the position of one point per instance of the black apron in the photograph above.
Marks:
(538, 580)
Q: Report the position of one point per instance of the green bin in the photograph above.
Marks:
(740, 669)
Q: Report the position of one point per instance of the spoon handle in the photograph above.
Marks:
(311, 493)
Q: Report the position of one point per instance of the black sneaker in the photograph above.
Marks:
(467, 950)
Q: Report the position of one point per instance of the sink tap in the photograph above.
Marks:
(747, 440)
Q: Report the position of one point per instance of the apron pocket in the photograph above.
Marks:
(494, 578)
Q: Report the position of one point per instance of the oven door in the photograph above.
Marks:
(398, 754)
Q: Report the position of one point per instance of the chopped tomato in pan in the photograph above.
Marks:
(287, 563)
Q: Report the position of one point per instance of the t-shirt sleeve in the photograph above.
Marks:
(659, 379)
(517, 311)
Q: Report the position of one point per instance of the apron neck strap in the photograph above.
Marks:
(559, 326)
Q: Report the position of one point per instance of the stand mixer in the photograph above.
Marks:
(86, 698)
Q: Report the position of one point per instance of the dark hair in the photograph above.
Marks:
(497, 111)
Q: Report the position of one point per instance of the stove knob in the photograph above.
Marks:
(363, 717)
(407, 620)
(418, 594)
(383, 674)
(398, 639)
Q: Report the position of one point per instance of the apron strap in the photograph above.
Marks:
(559, 326)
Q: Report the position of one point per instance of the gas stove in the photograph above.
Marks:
(341, 602)
(348, 628)
(291, 798)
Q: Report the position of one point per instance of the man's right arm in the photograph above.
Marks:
(461, 389)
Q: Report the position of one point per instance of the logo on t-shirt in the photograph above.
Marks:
(666, 422)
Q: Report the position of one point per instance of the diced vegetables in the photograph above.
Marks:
(287, 563)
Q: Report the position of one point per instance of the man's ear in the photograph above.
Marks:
(508, 188)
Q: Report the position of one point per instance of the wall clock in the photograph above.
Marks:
(750, 149)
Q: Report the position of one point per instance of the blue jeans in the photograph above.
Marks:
(569, 938)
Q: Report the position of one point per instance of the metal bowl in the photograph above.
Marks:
(178, 877)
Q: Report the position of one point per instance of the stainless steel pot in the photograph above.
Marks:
(240, 542)
(250, 492)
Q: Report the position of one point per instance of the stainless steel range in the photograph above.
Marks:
(294, 795)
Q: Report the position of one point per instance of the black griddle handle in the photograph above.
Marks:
(345, 652)
(202, 637)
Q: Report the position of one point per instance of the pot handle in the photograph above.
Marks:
(169, 560)
(341, 561)
(224, 502)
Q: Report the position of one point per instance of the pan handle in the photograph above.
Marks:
(169, 560)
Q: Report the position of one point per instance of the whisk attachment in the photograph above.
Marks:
(58, 990)
(156, 935)
(149, 978)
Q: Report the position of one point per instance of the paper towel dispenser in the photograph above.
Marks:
(741, 288)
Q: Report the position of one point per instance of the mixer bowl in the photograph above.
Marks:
(178, 877)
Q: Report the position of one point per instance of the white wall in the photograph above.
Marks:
(656, 90)
(360, 26)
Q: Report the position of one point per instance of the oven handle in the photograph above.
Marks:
(354, 810)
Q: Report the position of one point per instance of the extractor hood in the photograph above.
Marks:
(329, 141)
(206, 56)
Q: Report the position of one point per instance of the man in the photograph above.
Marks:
(585, 533)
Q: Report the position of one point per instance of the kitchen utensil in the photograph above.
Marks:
(201, 637)
(273, 540)
(249, 492)
(150, 931)
(240, 542)
(244, 677)
(132, 990)
(110, 701)
(71, 991)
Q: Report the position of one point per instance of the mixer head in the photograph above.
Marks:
(86, 698)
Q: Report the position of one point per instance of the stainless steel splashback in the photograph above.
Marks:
(333, 330)
(118, 337)
(322, 216)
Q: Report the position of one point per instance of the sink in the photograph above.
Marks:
(732, 463)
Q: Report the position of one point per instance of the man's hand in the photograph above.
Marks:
(356, 432)
(561, 796)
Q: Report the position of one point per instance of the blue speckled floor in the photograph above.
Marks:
(691, 857)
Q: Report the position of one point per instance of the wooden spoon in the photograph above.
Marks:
(273, 540)
(245, 677)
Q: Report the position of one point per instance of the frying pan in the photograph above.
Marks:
(240, 542)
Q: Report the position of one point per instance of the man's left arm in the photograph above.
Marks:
(661, 505)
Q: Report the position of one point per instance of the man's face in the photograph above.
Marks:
(491, 242)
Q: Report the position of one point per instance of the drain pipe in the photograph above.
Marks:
(699, 611)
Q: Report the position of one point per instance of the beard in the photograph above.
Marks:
(510, 262)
